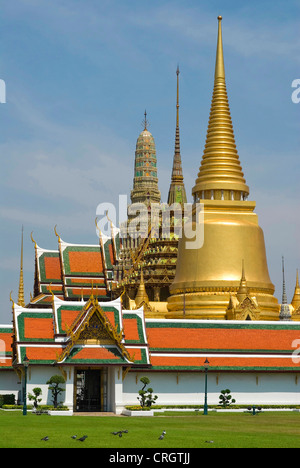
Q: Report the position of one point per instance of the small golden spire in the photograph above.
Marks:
(141, 295)
(296, 298)
(21, 300)
(243, 289)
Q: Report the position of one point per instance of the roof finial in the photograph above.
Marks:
(145, 121)
(21, 300)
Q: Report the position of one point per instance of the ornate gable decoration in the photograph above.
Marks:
(247, 309)
(95, 332)
(92, 326)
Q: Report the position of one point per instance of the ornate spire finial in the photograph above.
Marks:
(284, 296)
(145, 121)
(21, 300)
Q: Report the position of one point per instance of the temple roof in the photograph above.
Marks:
(73, 271)
(235, 345)
(73, 332)
(101, 333)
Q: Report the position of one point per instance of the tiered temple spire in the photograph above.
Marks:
(177, 192)
(220, 175)
(145, 182)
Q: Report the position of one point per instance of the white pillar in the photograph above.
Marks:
(118, 387)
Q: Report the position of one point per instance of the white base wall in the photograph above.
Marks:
(188, 388)
(38, 376)
(9, 383)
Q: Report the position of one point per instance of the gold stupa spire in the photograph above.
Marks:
(296, 297)
(227, 230)
(220, 175)
(21, 300)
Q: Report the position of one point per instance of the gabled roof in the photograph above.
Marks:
(73, 332)
(74, 270)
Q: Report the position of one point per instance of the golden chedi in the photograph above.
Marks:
(208, 277)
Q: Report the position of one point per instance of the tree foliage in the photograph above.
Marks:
(226, 398)
(146, 397)
(54, 386)
(37, 391)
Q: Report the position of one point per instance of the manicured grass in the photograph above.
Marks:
(226, 430)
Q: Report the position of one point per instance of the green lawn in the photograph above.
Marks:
(226, 430)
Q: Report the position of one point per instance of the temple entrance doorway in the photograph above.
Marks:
(91, 394)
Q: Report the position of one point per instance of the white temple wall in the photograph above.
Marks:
(187, 388)
(9, 383)
(38, 376)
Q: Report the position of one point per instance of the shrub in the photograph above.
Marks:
(54, 385)
(35, 396)
(146, 398)
(7, 400)
(225, 398)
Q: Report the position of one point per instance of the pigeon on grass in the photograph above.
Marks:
(82, 439)
(45, 438)
(162, 435)
(119, 433)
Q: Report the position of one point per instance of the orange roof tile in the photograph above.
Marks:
(52, 268)
(221, 338)
(89, 262)
(130, 329)
(222, 361)
(38, 328)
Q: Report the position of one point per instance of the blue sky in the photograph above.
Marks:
(79, 75)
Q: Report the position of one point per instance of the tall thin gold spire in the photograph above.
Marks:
(21, 300)
(220, 175)
(296, 297)
(177, 192)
